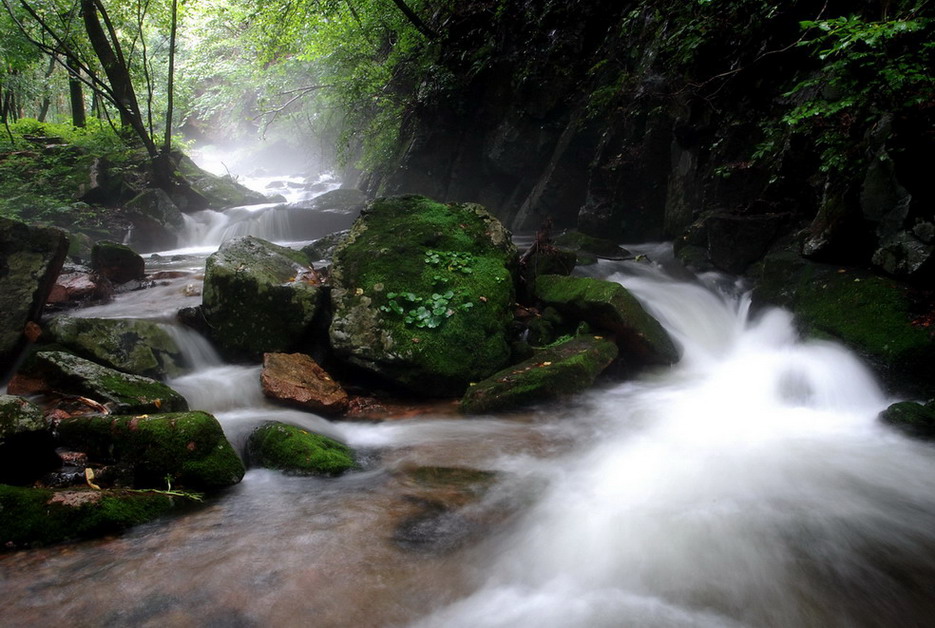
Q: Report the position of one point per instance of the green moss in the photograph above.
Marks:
(294, 450)
(913, 418)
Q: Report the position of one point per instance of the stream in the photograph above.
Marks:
(749, 485)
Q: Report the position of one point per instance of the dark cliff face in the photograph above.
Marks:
(682, 120)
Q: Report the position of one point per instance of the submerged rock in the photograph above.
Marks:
(296, 451)
(257, 298)
(62, 373)
(30, 260)
(298, 380)
(130, 345)
(422, 294)
(563, 369)
(186, 449)
(913, 418)
(606, 305)
(117, 262)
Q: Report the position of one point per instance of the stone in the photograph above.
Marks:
(26, 445)
(187, 449)
(422, 294)
(606, 305)
(912, 418)
(118, 262)
(30, 260)
(324, 248)
(134, 346)
(560, 370)
(296, 379)
(217, 192)
(589, 246)
(62, 373)
(156, 220)
(79, 285)
(296, 451)
(256, 299)
(736, 242)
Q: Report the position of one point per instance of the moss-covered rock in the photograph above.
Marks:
(291, 449)
(60, 372)
(563, 369)
(188, 449)
(256, 298)
(883, 320)
(911, 417)
(117, 262)
(36, 516)
(218, 192)
(589, 247)
(19, 416)
(606, 305)
(422, 294)
(131, 345)
(324, 248)
(30, 260)
(26, 445)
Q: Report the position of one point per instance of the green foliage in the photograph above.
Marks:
(423, 312)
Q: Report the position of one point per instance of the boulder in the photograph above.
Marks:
(30, 260)
(296, 379)
(38, 516)
(134, 346)
(606, 305)
(544, 260)
(186, 449)
(26, 445)
(589, 248)
(62, 373)
(217, 192)
(258, 297)
(296, 451)
(562, 369)
(80, 285)
(422, 294)
(156, 220)
(323, 248)
(911, 417)
(118, 262)
(348, 201)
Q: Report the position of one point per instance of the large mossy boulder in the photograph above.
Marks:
(297, 451)
(37, 516)
(63, 373)
(118, 262)
(608, 306)
(30, 260)
(156, 220)
(257, 298)
(187, 449)
(217, 192)
(422, 294)
(884, 321)
(559, 370)
(131, 345)
(589, 248)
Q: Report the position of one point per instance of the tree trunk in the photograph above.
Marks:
(416, 21)
(170, 81)
(76, 95)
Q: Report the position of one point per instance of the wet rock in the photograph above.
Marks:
(323, 248)
(30, 260)
(589, 247)
(344, 201)
(735, 242)
(422, 294)
(117, 262)
(26, 445)
(37, 516)
(156, 220)
(186, 449)
(134, 346)
(913, 418)
(560, 370)
(62, 373)
(79, 285)
(218, 192)
(256, 298)
(296, 451)
(296, 379)
(545, 260)
(606, 305)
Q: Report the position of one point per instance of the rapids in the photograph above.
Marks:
(749, 485)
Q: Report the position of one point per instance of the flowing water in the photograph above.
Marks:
(750, 485)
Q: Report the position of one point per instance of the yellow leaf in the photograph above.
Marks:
(89, 477)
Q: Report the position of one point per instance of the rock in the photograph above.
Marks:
(563, 369)
(117, 262)
(343, 201)
(30, 260)
(291, 449)
(323, 248)
(156, 220)
(544, 260)
(883, 320)
(298, 380)
(422, 294)
(26, 445)
(62, 373)
(256, 299)
(19, 416)
(590, 247)
(134, 346)
(79, 285)
(735, 242)
(607, 305)
(37, 516)
(913, 418)
(218, 192)
(187, 449)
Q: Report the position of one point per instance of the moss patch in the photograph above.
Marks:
(291, 449)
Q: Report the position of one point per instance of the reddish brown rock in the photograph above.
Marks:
(78, 285)
(296, 379)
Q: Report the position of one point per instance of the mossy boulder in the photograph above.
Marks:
(131, 345)
(63, 373)
(589, 248)
(156, 220)
(38, 516)
(911, 417)
(26, 445)
(257, 298)
(19, 416)
(608, 306)
(30, 260)
(422, 294)
(297, 451)
(117, 262)
(218, 192)
(884, 321)
(562, 369)
(188, 449)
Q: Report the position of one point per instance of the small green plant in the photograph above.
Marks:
(423, 312)
(453, 261)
